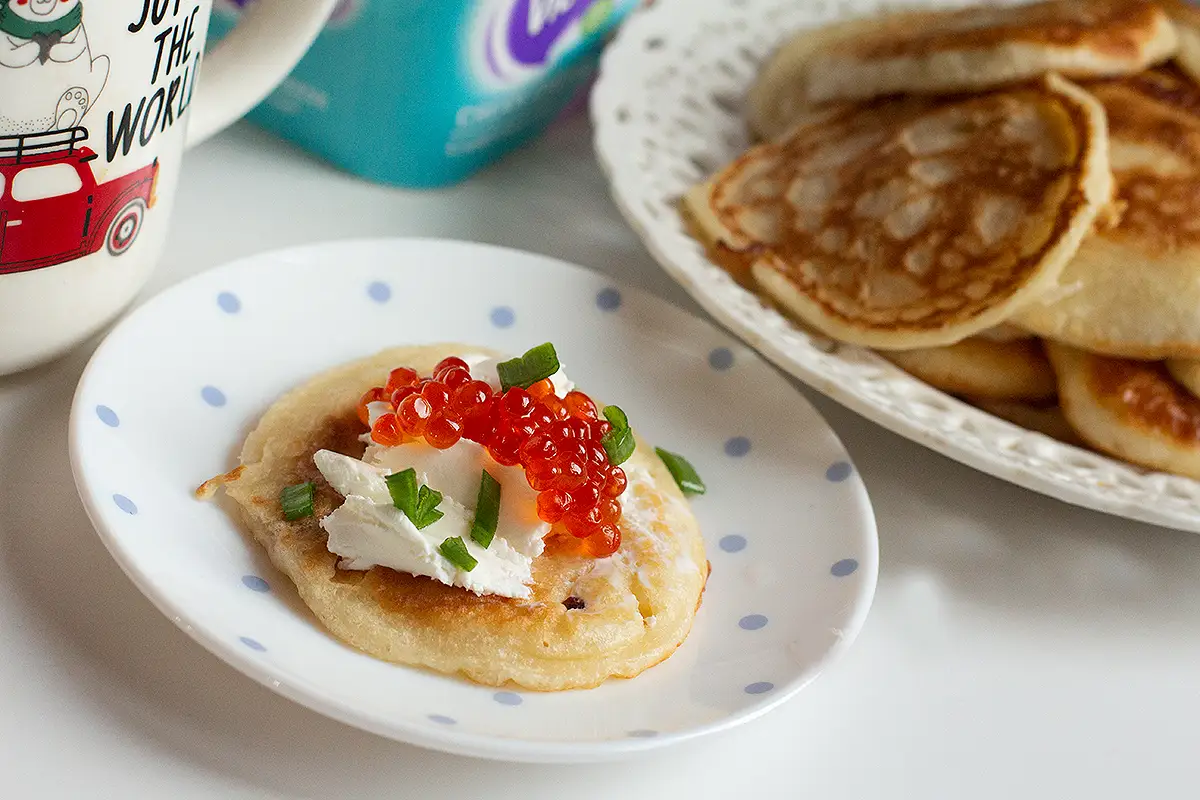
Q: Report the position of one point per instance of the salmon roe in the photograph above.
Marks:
(557, 441)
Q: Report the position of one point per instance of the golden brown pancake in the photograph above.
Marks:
(1186, 17)
(1047, 420)
(967, 50)
(1133, 290)
(637, 606)
(917, 222)
(978, 367)
(1186, 372)
(1133, 410)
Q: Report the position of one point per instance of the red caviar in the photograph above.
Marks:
(556, 440)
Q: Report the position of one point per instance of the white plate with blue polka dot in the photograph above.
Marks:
(175, 387)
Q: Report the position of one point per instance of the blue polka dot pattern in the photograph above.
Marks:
(838, 471)
(379, 291)
(125, 504)
(845, 567)
(253, 644)
(503, 317)
(761, 687)
(752, 622)
(441, 719)
(508, 698)
(732, 543)
(108, 416)
(720, 359)
(213, 396)
(608, 299)
(643, 733)
(737, 447)
(229, 302)
(255, 583)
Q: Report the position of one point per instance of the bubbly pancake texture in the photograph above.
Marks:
(945, 52)
(978, 367)
(637, 606)
(915, 222)
(1133, 410)
(1133, 290)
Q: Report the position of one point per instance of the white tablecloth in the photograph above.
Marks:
(1017, 647)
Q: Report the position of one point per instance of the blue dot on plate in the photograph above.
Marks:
(760, 687)
(721, 359)
(253, 644)
(441, 719)
(752, 622)
(508, 698)
(733, 543)
(608, 299)
(503, 317)
(213, 396)
(737, 447)
(843, 568)
(255, 583)
(125, 504)
(643, 733)
(838, 471)
(229, 303)
(108, 416)
(379, 291)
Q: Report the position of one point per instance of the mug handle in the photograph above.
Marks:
(269, 39)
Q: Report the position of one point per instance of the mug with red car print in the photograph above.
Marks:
(98, 100)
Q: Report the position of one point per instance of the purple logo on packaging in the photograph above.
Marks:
(522, 38)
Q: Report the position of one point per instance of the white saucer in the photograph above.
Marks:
(168, 397)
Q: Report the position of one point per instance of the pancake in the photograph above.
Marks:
(1133, 290)
(1047, 420)
(1187, 28)
(1186, 372)
(978, 367)
(883, 226)
(964, 50)
(1133, 410)
(638, 605)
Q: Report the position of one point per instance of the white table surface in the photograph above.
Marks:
(1018, 647)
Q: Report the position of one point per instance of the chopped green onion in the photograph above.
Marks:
(455, 551)
(617, 417)
(487, 511)
(537, 364)
(427, 503)
(297, 501)
(682, 471)
(402, 486)
(619, 442)
(619, 445)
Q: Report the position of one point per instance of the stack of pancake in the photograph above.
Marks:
(1004, 202)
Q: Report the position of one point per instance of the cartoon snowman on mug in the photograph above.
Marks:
(48, 77)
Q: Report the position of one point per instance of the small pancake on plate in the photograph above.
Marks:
(1133, 410)
(883, 226)
(978, 367)
(1187, 372)
(1046, 419)
(588, 619)
(1133, 289)
(1186, 17)
(964, 50)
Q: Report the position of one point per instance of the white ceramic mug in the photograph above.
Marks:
(98, 99)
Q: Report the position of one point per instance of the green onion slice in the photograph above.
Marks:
(297, 501)
(487, 511)
(455, 551)
(617, 417)
(537, 364)
(427, 503)
(619, 445)
(682, 471)
(402, 486)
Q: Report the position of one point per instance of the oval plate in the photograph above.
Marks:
(173, 390)
(667, 112)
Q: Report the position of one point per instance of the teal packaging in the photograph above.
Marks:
(424, 93)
